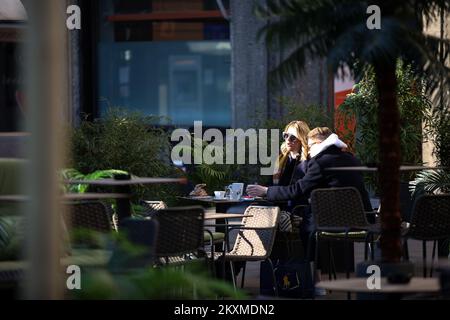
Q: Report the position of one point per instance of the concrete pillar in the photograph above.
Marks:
(252, 98)
(249, 66)
(312, 87)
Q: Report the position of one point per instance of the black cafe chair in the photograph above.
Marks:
(339, 215)
(430, 221)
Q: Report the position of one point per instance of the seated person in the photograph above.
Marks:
(325, 150)
(291, 163)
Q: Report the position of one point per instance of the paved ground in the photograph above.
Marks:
(415, 251)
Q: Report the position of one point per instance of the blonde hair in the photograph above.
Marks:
(302, 130)
(319, 133)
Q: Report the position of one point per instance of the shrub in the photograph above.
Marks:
(363, 104)
(125, 141)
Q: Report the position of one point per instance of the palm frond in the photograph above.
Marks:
(73, 174)
(103, 174)
(430, 182)
(430, 10)
(432, 51)
(337, 30)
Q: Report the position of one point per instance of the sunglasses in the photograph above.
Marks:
(289, 137)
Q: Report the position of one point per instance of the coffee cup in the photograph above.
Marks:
(219, 194)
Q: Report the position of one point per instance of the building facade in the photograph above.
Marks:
(183, 61)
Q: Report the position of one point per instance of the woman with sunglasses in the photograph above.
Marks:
(290, 167)
(294, 151)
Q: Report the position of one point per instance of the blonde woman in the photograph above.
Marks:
(294, 151)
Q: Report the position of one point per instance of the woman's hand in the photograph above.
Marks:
(255, 190)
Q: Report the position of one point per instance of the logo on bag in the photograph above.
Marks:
(286, 282)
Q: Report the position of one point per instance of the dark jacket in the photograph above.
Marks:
(317, 177)
(293, 170)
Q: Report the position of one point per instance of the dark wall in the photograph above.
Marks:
(10, 84)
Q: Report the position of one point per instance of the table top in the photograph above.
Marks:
(132, 181)
(94, 196)
(416, 285)
(68, 196)
(374, 169)
(226, 216)
(211, 199)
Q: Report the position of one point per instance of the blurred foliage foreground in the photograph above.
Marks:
(187, 282)
(130, 272)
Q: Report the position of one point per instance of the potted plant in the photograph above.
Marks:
(126, 141)
(362, 105)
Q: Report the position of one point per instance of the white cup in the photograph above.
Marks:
(219, 194)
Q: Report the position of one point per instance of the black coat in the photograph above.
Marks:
(293, 170)
(317, 177)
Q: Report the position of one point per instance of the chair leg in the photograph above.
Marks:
(213, 264)
(329, 259)
(366, 246)
(243, 274)
(432, 258)
(347, 257)
(316, 258)
(314, 236)
(424, 256)
(333, 265)
(406, 249)
(372, 246)
(274, 280)
(224, 278)
(309, 248)
(233, 277)
(311, 237)
(212, 261)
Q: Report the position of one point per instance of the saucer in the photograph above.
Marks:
(201, 197)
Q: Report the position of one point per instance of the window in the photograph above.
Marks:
(168, 58)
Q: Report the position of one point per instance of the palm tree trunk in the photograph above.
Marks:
(389, 158)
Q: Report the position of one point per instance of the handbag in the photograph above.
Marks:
(285, 223)
(293, 279)
(289, 222)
